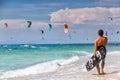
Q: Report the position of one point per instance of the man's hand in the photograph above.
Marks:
(94, 58)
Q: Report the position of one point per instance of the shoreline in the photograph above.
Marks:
(66, 73)
(111, 74)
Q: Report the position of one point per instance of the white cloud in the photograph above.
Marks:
(86, 15)
(75, 16)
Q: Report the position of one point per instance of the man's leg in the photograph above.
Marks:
(98, 69)
(102, 65)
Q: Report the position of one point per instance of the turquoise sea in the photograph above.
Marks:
(14, 57)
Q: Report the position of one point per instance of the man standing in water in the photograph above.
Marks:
(100, 41)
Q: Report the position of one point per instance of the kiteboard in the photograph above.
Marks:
(101, 53)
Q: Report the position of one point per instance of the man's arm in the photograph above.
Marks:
(95, 49)
(106, 40)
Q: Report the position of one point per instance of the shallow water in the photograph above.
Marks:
(21, 60)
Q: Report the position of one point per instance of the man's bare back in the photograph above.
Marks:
(101, 40)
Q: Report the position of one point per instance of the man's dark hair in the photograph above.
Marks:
(100, 32)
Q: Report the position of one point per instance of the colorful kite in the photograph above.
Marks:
(29, 24)
(66, 28)
(50, 27)
(42, 31)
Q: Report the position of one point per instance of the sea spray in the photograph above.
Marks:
(38, 68)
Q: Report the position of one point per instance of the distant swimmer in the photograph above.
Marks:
(100, 41)
(6, 25)
(110, 18)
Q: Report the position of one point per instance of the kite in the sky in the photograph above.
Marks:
(50, 27)
(29, 24)
(42, 31)
(117, 32)
(6, 25)
(66, 28)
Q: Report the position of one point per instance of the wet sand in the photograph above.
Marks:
(67, 73)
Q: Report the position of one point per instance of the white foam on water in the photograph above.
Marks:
(28, 46)
(68, 61)
(112, 59)
(52, 66)
(82, 52)
(49, 66)
(114, 53)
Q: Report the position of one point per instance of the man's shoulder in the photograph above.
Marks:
(96, 40)
(99, 39)
(105, 38)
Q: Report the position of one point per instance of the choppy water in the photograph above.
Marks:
(19, 60)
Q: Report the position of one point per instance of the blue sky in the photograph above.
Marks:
(84, 18)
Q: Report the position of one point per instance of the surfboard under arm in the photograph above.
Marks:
(101, 53)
